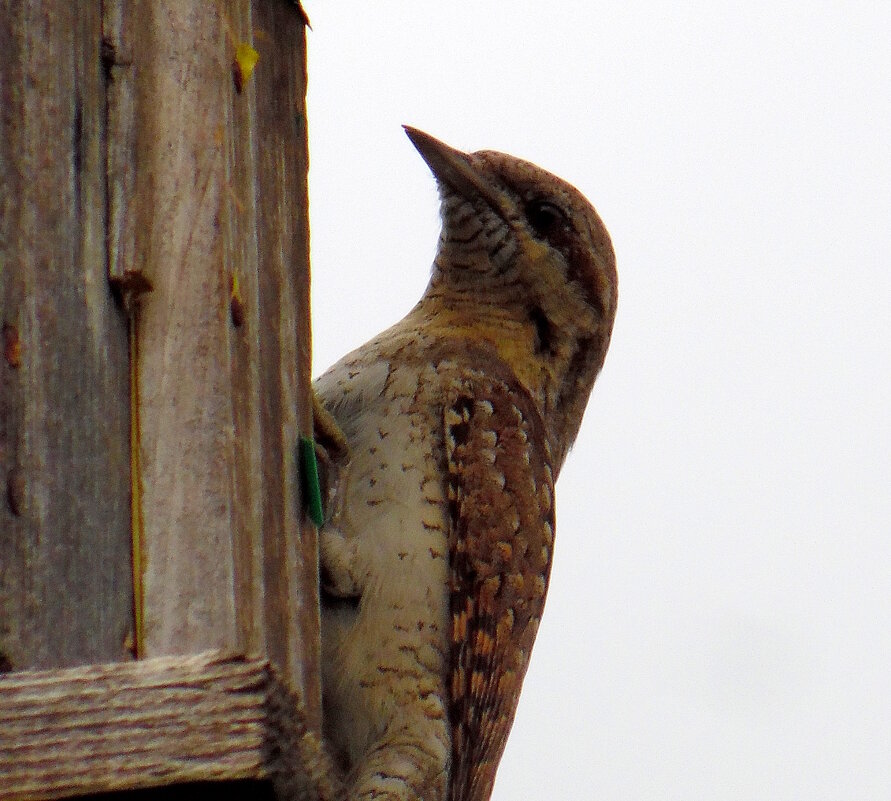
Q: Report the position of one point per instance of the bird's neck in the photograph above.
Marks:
(549, 340)
(537, 352)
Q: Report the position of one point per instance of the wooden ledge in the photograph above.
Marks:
(158, 722)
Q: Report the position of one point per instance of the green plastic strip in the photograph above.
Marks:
(309, 474)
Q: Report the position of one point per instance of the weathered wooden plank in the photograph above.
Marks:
(240, 257)
(117, 62)
(164, 721)
(289, 541)
(223, 514)
(126, 146)
(237, 790)
(64, 494)
(180, 69)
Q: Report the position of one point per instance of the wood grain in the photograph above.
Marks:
(64, 456)
(157, 722)
(130, 155)
(290, 547)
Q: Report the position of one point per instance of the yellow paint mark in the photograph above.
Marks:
(236, 305)
(246, 59)
(131, 286)
(136, 494)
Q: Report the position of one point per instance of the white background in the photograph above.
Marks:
(719, 619)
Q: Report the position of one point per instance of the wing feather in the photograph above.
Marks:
(501, 532)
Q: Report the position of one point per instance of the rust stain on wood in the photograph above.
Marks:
(12, 346)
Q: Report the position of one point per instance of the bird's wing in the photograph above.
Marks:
(501, 492)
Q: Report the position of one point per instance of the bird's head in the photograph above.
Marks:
(525, 261)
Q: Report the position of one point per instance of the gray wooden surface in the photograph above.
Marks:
(172, 720)
(65, 594)
(129, 156)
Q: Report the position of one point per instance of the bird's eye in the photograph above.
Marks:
(546, 218)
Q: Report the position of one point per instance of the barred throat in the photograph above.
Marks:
(473, 238)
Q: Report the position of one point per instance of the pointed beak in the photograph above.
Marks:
(456, 170)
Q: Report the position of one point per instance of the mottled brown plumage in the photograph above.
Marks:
(501, 491)
(436, 559)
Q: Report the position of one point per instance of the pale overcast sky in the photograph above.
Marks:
(719, 618)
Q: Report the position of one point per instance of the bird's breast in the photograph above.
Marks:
(393, 650)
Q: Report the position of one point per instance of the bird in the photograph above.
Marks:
(454, 424)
